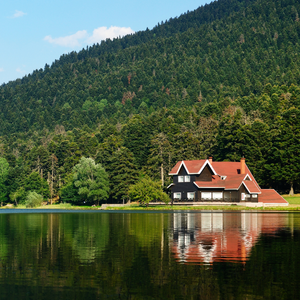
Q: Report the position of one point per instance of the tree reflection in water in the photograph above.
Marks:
(202, 255)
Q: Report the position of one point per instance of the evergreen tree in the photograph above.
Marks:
(122, 173)
(4, 167)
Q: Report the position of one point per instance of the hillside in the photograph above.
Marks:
(195, 58)
(222, 80)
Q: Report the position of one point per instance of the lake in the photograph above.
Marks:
(156, 255)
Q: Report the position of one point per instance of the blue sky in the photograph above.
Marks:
(36, 32)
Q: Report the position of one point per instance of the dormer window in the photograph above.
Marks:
(185, 178)
(223, 177)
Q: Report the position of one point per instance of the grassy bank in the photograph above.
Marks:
(292, 199)
(294, 205)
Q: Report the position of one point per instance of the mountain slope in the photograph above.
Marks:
(227, 49)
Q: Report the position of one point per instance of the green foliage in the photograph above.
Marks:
(18, 196)
(33, 199)
(4, 168)
(147, 190)
(122, 173)
(35, 183)
(69, 193)
(225, 50)
(221, 80)
(91, 180)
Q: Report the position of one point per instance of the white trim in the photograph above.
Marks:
(248, 189)
(182, 163)
(253, 178)
(204, 165)
(170, 185)
(247, 175)
(208, 187)
(187, 171)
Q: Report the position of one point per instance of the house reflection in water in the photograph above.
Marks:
(214, 237)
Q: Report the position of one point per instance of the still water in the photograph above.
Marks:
(202, 255)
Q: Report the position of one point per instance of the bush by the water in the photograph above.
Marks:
(33, 199)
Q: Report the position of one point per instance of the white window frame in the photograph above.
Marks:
(254, 195)
(187, 178)
(204, 195)
(217, 195)
(176, 194)
(190, 195)
(180, 178)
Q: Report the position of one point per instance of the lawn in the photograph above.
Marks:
(292, 199)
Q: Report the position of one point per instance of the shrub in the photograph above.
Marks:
(33, 199)
(147, 190)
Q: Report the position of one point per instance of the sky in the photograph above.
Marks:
(36, 32)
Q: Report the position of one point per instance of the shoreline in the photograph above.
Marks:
(138, 208)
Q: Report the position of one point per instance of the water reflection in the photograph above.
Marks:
(150, 256)
(214, 237)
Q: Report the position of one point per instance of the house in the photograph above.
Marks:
(210, 181)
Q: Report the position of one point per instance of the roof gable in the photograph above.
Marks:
(192, 167)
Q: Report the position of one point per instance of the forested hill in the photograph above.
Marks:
(222, 80)
(229, 48)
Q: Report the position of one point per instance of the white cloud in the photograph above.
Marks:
(103, 33)
(82, 37)
(68, 41)
(19, 70)
(1, 70)
(18, 14)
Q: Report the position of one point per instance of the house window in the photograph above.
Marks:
(206, 195)
(187, 178)
(177, 195)
(217, 195)
(191, 195)
(223, 177)
(254, 195)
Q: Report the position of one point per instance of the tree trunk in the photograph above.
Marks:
(292, 189)
(162, 174)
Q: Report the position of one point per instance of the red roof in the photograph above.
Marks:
(230, 183)
(270, 196)
(191, 166)
(251, 187)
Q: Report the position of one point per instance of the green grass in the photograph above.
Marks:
(292, 199)
(294, 202)
(210, 207)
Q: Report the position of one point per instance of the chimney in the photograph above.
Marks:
(243, 165)
(210, 159)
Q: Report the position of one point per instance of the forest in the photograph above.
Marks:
(220, 81)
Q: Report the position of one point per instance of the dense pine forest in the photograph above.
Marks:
(223, 80)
